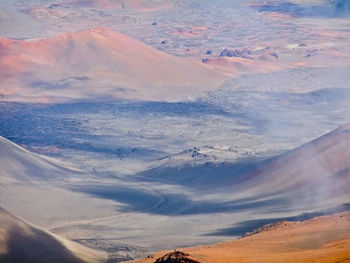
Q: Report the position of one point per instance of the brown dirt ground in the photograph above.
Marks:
(322, 239)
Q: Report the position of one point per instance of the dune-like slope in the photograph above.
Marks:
(315, 174)
(18, 164)
(22, 242)
(312, 177)
(322, 239)
(37, 189)
(97, 62)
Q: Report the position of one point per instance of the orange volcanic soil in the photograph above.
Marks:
(98, 62)
(322, 239)
(237, 66)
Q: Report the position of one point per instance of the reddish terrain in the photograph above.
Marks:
(117, 66)
(322, 239)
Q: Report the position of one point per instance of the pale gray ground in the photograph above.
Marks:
(152, 173)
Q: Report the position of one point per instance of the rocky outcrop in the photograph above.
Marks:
(176, 257)
(244, 53)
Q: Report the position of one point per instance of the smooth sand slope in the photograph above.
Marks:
(18, 164)
(311, 177)
(320, 169)
(322, 239)
(97, 63)
(35, 188)
(22, 242)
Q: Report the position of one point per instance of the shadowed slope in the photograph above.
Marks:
(34, 188)
(315, 174)
(97, 62)
(21, 242)
(312, 177)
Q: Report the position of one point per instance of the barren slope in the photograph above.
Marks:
(22, 242)
(315, 174)
(18, 164)
(35, 188)
(97, 62)
(322, 239)
(312, 177)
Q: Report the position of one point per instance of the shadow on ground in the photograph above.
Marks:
(330, 8)
(244, 227)
(173, 204)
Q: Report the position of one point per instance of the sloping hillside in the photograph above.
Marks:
(315, 174)
(22, 242)
(323, 239)
(18, 164)
(96, 63)
(312, 177)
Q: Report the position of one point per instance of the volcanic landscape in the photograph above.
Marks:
(211, 131)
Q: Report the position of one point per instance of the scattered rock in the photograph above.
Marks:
(311, 52)
(163, 42)
(53, 6)
(209, 52)
(274, 54)
(175, 257)
(268, 227)
(235, 53)
(205, 60)
(196, 153)
(154, 23)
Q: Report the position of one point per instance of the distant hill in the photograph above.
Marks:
(312, 177)
(95, 63)
(317, 173)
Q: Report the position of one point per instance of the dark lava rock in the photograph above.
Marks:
(175, 257)
(53, 6)
(274, 54)
(235, 53)
(311, 52)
